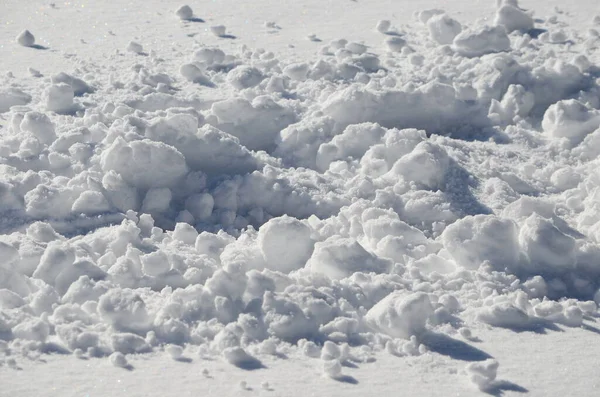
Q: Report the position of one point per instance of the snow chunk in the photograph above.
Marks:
(79, 86)
(285, 243)
(175, 351)
(135, 47)
(395, 43)
(240, 358)
(483, 374)
(124, 310)
(218, 30)
(475, 239)
(332, 368)
(40, 126)
(570, 119)
(127, 343)
(505, 315)
(443, 29)
(244, 77)
(185, 12)
(383, 26)
(144, 164)
(118, 360)
(400, 314)
(339, 258)
(12, 97)
(426, 165)
(425, 15)
(194, 74)
(26, 39)
(297, 71)
(485, 40)
(59, 98)
(513, 18)
(546, 245)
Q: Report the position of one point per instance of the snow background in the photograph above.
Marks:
(544, 162)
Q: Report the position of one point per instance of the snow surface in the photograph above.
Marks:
(409, 204)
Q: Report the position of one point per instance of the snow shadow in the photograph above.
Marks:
(39, 47)
(346, 379)
(453, 348)
(458, 191)
(500, 386)
(250, 364)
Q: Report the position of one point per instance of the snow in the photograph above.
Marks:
(422, 196)
(26, 39)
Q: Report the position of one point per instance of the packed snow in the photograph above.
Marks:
(397, 194)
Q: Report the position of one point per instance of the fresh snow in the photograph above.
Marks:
(370, 198)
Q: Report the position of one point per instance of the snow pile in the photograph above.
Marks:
(236, 204)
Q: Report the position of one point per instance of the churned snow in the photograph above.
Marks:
(390, 201)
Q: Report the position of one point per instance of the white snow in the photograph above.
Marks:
(513, 18)
(331, 211)
(218, 30)
(26, 39)
(185, 12)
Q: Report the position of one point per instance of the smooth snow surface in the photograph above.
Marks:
(417, 195)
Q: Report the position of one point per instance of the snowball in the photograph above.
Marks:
(395, 43)
(135, 47)
(513, 18)
(218, 30)
(443, 29)
(175, 351)
(285, 243)
(483, 373)
(184, 12)
(383, 26)
(570, 119)
(338, 258)
(400, 314)
(26, 39)
(485, 40)
(59, 98)
(118, 360)
(474, 239)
